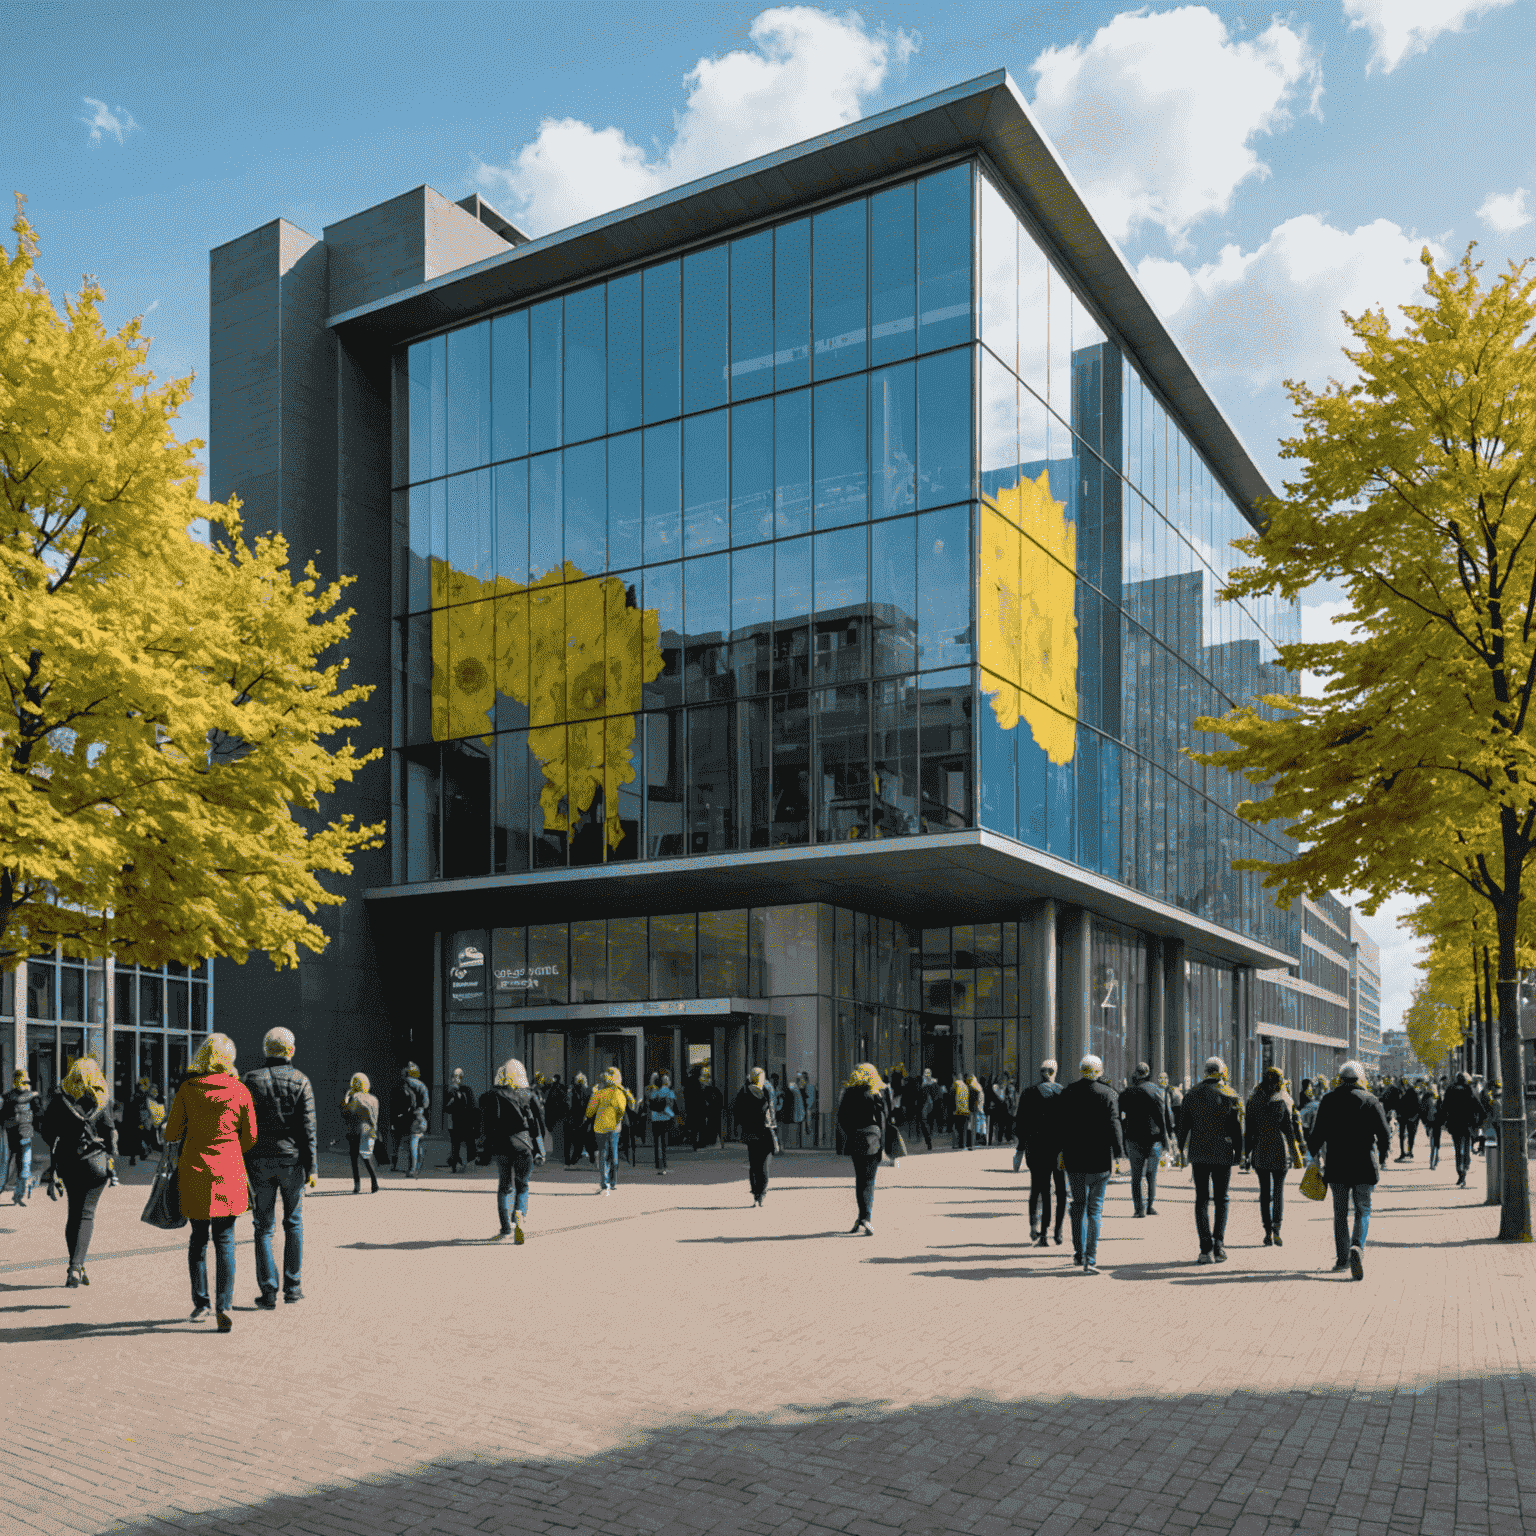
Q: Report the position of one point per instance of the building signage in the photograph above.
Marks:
(525, 978)
(466, 975)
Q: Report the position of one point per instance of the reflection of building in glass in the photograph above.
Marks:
(830, 548)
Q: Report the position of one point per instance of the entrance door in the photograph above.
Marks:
(623, 1048)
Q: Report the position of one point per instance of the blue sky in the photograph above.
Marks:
(1261, 170)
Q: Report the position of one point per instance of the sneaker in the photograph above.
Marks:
(1356, 1264)
(1057, 1238)
(1276, 1235)
(1034, 1234)
(1151, 1210)
(1220, 1254)
(1205, 1258)
(866, 1229)
(1090, 1267)
(267, 1301)
(199, 1313)
(225, 1321)
(85, 1279)
(855, 1229)
(1043, 1241)
(294, 1295)
(1269, 1239)
(1077, 1258)
(1138, 1213)
(1341, 1266)
(72, 1280)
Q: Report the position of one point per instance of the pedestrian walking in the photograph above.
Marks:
(1147, 1124)
(861, 1117)
(1088, 1125)
(753, 1112)
(281, 1162)
(214, 1120)
(920, 1111)
(512, 1131)
(1407, 1119)
(1210, 1130)
(1461, 1114)
(1037, 1126)
(960, 1114)
(1429, 1118)
(713, 1102)
(1175, 1095)
(577, 1126)
(19, 1113)
(1351, 1132)
(463, 1117)
(794, 1110)
(412, 1100)
(606, 1110)
(1271, 1147)
(808, 1099)
(661, 1104)
(82, 1146)
(360, 1110)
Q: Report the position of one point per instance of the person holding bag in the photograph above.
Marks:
(512, 1131)
(82, 1143)
(361, 1112)
(758, 1127)
(1271, 1146)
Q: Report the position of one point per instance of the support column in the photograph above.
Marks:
(1176, 1021)
(1076, 991)
(19, 1039)
(1157, 1009)
(1042, 1001)
(1248, 1067)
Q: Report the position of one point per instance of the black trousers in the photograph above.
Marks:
(576, 1140)
(865, 1167)
(359, 1163)
(1212, 1181)
(759, 1158)
(1461, 1143)
(83, 1184)
(457, 1139)
(659, 1133)
(1407, 1130)
(1041, 1177)
(1271, 1196)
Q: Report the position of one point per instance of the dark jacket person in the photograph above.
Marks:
(753, 1113)
(861, 1117)
(1351, 1132)
(1038, 1135)
(1461, 1114)
(283, 1160)
(512, 1131)
(1148, 1125)
(1088, 1127)
(1210, 1124)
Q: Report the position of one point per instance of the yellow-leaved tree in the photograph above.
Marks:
(167, 704)
(1416, 769)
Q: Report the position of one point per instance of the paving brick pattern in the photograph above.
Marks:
(669, 1359)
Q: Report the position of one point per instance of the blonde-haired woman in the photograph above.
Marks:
(861, 1117)
(755, 1119)
(606, 1110)
(213, 1118)
(512, 1131)
(360, 1109)
(82, 1144)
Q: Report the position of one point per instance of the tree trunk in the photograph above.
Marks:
(1515, 1213)
(1490, 1017)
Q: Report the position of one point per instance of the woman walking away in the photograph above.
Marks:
(978, 1136)
(82, 1144)
(662, 1104)
(861, 1115)
(361, 1112)
(757, 1125)
(213, 1118)
(512, 1131)
(1271, 1145)
(960, 1113)
(606, 1110)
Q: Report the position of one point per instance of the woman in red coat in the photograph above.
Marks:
(215, 1122)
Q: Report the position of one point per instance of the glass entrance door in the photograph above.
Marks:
(621, 1048)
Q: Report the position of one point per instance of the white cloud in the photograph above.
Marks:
(104, 120)
(1155, 116)
(1505, 212)
(806, 72)
(1401, 961)
(1256, 318)
(1401, 28)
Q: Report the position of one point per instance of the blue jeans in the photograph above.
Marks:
(21, 1153)
(267, 1178)
(409, 1142)
(512, 1170)
(608, 1158)
(1144, 1161)
(1343, 1239)
(224, 1261)
(1087, 1212)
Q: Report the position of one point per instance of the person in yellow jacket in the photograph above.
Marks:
(606, 1110)
(960, 1092)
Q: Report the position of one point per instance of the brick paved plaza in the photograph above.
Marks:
(670, 1359)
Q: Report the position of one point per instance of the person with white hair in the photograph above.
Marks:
(1088, 1128)
(282, 1161)
(1210, 1131)
(512, 1131)
(1351, 1131)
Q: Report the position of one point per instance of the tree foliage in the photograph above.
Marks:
(1416, 768)
(165, 704)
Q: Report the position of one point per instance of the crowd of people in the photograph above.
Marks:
(244, 1143)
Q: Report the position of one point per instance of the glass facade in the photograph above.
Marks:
(159, 1015)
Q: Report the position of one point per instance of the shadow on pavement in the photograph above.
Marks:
(1080, 1463)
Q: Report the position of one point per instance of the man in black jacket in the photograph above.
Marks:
(1148, 1125)
(1039, 1145)
(1352, 1125)
(1461, 1114)
(463, 1116)
(282, 1159)
(1088, 1124)
(1210, 1126)
(22, 1106)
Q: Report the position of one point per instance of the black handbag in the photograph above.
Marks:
(163, 1208)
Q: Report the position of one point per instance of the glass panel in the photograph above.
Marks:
(510, 834)
(124, 999)
(1034, 312)
(544, 394)
(625, 518)
(792, 462)
(466, 809)
(944, 428)
(72, 994)
(428, 541)
(706, 611)
(945, 746)
(151, 1000)
(706, 356)
(1059, 343)
(944, 588)
(509, 385)
(586, 364)
(509, 492)
(893, 568)
(422, 813)
(512, 672)
(664, 760)
(711, 778)
(628, 955)
(706, 496)
(752, 472)
(841, 779)
(664, 593)
(471, 548)
(1088, 365)
(999, 275)
(469, 397)
(893, 439)
(838, 289)
(842, 577)
(792, 304)
(624, 369)
(751, 617)
(999, 429)
(672, 956)
(663, 493)
(589, 961)
(427, 367)
(547, 965)
(662, 371)
(546, 514)
(586, 507)
(752, 315)
(944, 258)
(998, 791)
(791, 786)
(723, 954)
(892, 274)
(895, 780)
(841, 453)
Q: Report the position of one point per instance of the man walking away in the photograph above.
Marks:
(1088, 1117)
(1461, 1115)
(1210, 1124)
(1038, 1130)
(23, 1106)
(1148, 1126)
(462, 1112)
(281, 1161)
(411, 1104)
(1407, 1120)
(1352, 1125)
(808, 1100)
(576, 1132)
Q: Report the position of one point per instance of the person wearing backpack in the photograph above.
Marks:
(661, 1103)
(281, 1161)
(606, 1110)
(23, 1105)
(512, 1131)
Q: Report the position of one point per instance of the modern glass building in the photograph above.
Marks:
(789, 598)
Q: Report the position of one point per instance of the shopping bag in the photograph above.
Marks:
(1312, 1185)
(163, 1208)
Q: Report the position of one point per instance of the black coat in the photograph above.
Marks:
(22, 1106)
(1145, 1115)
(1035, 1122)
(79, 1132)
(753, 1113)
(1459, 1109)
(510, 1119)
(459, 1107)
(576, 1106)
(285, 1114)
(1088, 1116)
(1210, 1123)
(861, 1116)
(1352, 1125)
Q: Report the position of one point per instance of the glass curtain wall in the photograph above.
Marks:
(160, 1014)
(65, 1006)
(684, 558)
